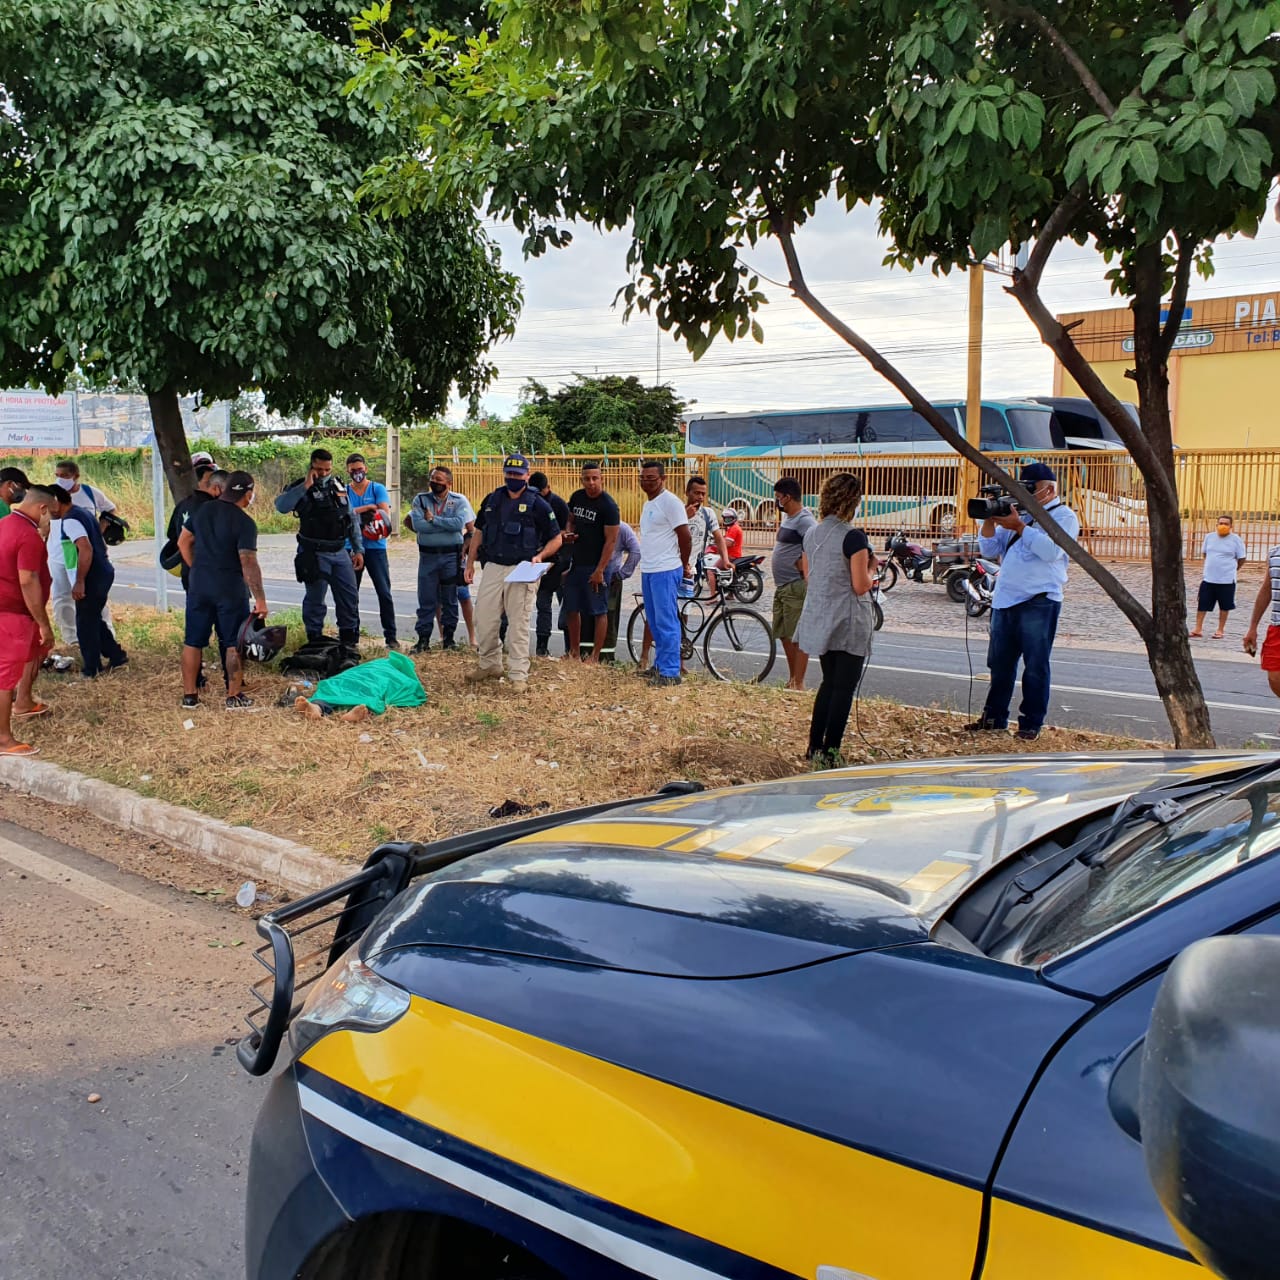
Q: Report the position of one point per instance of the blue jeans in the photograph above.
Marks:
(661, 611)
(338, 575)
(1023, 631)
(96, 640)
(437, 584)
(375, 560)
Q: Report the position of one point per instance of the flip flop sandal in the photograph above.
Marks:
(40, 709)
(20, 749)
(1217, 635)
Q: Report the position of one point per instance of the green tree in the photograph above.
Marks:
(622, 413)
(178, 211)
(1147, 127)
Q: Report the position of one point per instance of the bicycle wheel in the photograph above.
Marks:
(748, 585)
(888, 575)
(739, 645)
(635, 633)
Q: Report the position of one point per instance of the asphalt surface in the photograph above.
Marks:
(1099, 689)
(129, 990)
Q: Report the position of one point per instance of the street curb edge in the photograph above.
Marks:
(239, 849)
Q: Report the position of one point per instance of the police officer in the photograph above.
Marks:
(514, 524)
(329, 545)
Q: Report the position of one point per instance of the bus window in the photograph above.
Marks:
(995, 431)
(1035, 429)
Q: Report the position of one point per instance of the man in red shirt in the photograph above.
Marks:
(25, 633)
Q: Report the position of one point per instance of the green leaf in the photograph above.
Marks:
(787, 101)
(988, 120)
(968, 112)
(1144, 162)
(1252, 28)
(1240, 92)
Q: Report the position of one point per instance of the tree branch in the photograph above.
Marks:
(1056, 226)
(1072, 58)
(1126, 602)
(1178, 299)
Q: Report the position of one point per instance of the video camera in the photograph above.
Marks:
(993, 504)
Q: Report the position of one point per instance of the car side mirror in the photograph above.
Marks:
(1210, 1103)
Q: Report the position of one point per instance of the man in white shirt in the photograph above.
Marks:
(1224, 553)
(704, 528)
(665, 548)
(68, 473)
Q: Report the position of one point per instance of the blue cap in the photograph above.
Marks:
(516, 462)
(1035, 472)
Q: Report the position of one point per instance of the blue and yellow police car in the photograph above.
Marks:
(868, 1024)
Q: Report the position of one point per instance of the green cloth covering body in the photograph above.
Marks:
(385, 682)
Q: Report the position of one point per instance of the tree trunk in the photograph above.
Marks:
(171, 442)
(1168, 647)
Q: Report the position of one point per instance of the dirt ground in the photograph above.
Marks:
(580, 735)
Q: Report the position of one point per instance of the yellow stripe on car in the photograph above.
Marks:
(754, 1185)
(1025, 1242)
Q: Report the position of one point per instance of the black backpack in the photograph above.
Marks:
(321, 658)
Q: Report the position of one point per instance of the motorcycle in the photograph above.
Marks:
(747, 583)
(979, 584)
(911, 556)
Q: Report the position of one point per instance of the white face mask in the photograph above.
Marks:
(253, 496)
(66, 482)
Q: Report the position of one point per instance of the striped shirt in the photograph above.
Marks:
(1273, 567)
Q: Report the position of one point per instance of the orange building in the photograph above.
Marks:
(1223, 373)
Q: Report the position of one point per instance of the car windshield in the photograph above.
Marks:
(1152, 868)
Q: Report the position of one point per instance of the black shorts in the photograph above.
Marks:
(1216, 595)
(579, 596)
(204, 617)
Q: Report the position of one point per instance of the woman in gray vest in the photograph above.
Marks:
(836, 624)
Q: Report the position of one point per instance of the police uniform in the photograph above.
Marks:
(512, 529)
(328, 533)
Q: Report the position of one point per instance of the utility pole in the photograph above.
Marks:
(393, 473)
(968, 475)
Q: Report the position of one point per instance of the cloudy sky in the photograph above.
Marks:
(919, 321)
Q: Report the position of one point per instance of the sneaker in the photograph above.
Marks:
(392, 643)
(518, 686)
(190, 700)
(241, 702)
(984, 726)
(666, 680)
(1027, 735)
(542, 651)
(448, 644)
(422, 646)
(478, 674)
(121, 661)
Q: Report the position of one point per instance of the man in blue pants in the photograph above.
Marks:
(1026, 604)
(665, 547)
(440, 519)
(329, 548)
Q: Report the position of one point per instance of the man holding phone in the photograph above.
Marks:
(592, 534)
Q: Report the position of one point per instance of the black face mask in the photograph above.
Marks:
(19, 497)
(437, 489)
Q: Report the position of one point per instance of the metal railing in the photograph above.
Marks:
(918, 492)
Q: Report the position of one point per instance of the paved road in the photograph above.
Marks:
(120, 987)
(1093, 688)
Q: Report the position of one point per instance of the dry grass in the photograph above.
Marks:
(579, 736)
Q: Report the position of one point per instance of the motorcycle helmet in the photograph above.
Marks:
(113, 528)
(729, 516)
(376, 525)
(259, 642)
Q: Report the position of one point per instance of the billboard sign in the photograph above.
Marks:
(33, 420)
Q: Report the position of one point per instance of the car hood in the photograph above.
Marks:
(757, 879)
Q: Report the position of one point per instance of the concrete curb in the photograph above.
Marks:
(242, 850)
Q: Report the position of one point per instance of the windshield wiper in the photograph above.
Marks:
(1161, 805)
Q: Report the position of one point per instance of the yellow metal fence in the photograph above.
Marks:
(918, 492)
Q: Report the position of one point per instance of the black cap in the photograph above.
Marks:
(238, 484)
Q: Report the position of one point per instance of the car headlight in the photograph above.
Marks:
(349, 997)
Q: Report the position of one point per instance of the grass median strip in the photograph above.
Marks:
(578, 735)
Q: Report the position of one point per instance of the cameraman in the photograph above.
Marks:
(329, 548)
(1026, 604)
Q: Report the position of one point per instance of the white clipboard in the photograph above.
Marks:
(527, 571)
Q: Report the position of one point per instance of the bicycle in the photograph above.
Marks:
(737, 643)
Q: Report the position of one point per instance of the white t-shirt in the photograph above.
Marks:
(97, 504)
(1221, 557)
(660, 517)
(63, 578)
(702, 529)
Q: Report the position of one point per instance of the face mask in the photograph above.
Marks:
(1223, 530)
(515, 484)
(253, 496)
(65, 482)
(358, 476)
(437, 489)
(19, 497)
